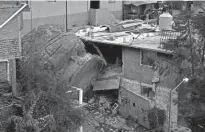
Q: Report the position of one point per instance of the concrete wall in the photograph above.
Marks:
(132, 68)
(136, 74)
(9, 46)
(136, 106)
(11, 29)
(161, 99)
(44, 12)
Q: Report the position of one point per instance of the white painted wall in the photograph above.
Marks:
(75, 6)
(117, 6)
(41, 9)
(44, 8)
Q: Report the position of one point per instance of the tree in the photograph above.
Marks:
(46, 107)
(191, 63)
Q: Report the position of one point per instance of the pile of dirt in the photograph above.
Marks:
(63, 54)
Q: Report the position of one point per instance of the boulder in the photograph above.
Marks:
(63, 54)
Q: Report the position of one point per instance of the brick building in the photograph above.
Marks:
(148, 74)
(10, 39)
(143, 87)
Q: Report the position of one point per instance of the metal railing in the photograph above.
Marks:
(166, 36)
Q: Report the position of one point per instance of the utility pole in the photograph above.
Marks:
(66, 17)
(170, 103)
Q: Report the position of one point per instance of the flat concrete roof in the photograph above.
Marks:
(147, 41)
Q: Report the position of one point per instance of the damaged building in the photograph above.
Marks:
(144, 86)
(147, 71)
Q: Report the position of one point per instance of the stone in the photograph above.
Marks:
(63, 54)
(96, 123)
(91, 101)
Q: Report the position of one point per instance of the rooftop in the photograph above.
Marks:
(147, 40)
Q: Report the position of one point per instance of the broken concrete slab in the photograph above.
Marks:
(106, 85)
(108, 79)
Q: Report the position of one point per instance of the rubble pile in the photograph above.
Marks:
(63, 54)
(100, 118)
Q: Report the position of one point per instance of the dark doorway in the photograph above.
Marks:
(95, 4)
(112, 54)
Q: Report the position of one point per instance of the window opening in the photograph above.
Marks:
(134, 104)
(148, 57)
(94, 4)
(147, 91)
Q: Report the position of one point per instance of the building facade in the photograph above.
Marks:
(10, 39)
(147, 80)
(55, 11)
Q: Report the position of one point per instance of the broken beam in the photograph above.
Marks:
(100, 53)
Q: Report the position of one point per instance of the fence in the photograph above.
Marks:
(167, 37)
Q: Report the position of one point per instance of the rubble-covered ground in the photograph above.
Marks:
(99, 117)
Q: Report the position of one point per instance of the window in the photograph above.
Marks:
(147, 91)
(134, 104)
(124, 101)
(94, 4)
(148, 57)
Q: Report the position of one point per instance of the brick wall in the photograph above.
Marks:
(136, 106)
(131, 66)
(133, 70)
(9, 34)
(9, 46)
(130, 84)
(161, 97)
(162, 101)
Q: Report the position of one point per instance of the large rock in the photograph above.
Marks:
(62, 53)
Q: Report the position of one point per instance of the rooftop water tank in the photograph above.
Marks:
(165, 21)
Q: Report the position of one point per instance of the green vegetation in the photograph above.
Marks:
(189, 56)
(44, 104)
(156, 118)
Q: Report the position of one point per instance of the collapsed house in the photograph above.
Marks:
(148, 74)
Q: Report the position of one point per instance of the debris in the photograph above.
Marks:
(108, 79)
(91, 101)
